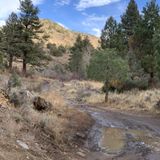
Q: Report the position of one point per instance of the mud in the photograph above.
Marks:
(120, 136)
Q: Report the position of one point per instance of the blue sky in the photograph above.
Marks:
(87, 16)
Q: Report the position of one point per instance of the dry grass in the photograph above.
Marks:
(132, 100)
(60, 122)
(64, 121)
(95, 98)
(61, 36)
(62, 126)
(56, 99)
(135, 100)
(89, 92)
(76, 85)
(94, 84)
(17, 124)
(3, 100)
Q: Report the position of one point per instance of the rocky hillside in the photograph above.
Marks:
(62, 36)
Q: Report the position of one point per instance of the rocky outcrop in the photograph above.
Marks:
(41, 104)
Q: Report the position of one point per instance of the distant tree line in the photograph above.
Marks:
(136, 40)
(129, 56)
(55, 50)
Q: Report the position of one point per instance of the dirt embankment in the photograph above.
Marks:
(27, 133)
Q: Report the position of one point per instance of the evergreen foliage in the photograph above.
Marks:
(80, 56)
(56, 50)
(30, 27)
(11, 38)
(108, 37)
(110, 68)
(136, 39)
(130, 18)
(113, 37)
(145, 39)
(1, 49)
(107, 65)
(14, 81)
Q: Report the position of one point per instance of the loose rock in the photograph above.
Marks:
(81, 154)
(41, 104)
(22, 144)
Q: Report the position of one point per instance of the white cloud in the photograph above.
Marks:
(94, 23)
(2, 23)
(122, 7)
(94, 20)
(97, 32)
(8, 6)
(62, 2)
(84, 4)
(63, 25)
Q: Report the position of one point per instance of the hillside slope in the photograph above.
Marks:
(62, 36)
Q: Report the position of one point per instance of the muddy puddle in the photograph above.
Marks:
(124, 137)
(113, 140)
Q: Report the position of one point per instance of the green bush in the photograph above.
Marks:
(14, 80)
(14, 99)
(56, 51)
(3, 63)
(107, 65)
(135, 84)
(113, 86)
(59, 69)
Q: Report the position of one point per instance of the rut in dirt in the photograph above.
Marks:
(119, 136)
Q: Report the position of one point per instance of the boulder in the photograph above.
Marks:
(41, 104)
(21, 97)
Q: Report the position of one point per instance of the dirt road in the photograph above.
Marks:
(123, 136)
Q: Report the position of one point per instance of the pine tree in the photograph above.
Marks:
(130, 18)
(11, 37)
(156, 42)
(1, 47)
(108, 67)
(30, 27)
(76, 56)
(108, 34)
(113, 37)
(145, 35)
(80, 56)
(88, 49)
(120, 42)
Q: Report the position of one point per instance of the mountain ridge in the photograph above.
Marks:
(59, 35)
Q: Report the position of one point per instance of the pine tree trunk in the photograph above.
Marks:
(24, 64)
(130, 52)
(10, 62)
(106, 97)
(151, 80)
(106, 91)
